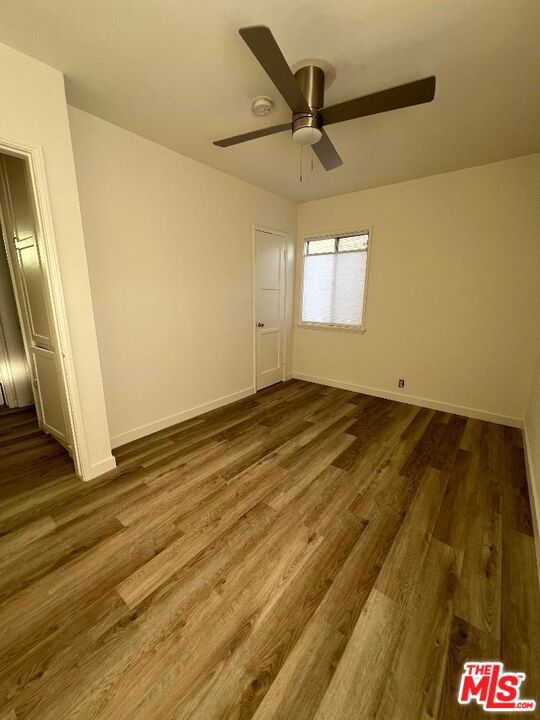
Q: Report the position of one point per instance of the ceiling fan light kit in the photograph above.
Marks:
(306, 135)
(303, 91)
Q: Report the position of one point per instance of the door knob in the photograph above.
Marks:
(260, 324)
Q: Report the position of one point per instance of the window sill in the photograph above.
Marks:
(324, 326)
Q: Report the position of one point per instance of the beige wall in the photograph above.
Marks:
(34, 112)
(454, 289)
(169, 244)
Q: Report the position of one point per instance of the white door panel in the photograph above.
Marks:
(15, 374)
(269, 306)
(269, 310)
(270, 350)
(50, 394)
(34, 291)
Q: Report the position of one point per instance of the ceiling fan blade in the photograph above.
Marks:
(236, 139)
(413, 93)
(327, 153)
(262, 44)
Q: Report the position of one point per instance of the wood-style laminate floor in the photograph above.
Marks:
(304, 553)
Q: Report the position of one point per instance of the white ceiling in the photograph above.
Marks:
(177, 72)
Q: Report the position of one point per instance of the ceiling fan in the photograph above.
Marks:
(303, 91)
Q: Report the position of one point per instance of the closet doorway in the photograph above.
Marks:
(30, 364)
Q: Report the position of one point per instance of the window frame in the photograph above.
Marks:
(337, 235)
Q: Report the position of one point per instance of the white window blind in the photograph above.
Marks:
(334, 280)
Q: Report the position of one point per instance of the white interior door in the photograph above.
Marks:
(269, 307)
(15, 375)
(32, 292)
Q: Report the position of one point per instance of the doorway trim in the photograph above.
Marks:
(46, 242)
(284, 249)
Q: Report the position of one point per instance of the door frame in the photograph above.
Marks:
(284, 251)
(46, 242)
(18, 294)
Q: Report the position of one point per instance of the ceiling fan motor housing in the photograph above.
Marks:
(307, 126)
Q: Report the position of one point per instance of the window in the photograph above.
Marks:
(335, 280)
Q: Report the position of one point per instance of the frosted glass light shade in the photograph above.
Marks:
(307, 135)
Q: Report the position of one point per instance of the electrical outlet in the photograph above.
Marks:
(401, 383)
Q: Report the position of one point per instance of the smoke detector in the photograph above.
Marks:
(262, 105)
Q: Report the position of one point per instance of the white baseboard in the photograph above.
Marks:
(412, 400)
(162, 423)
(100, 468)
(533, 492)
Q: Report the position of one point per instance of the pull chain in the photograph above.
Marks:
(301, 159)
